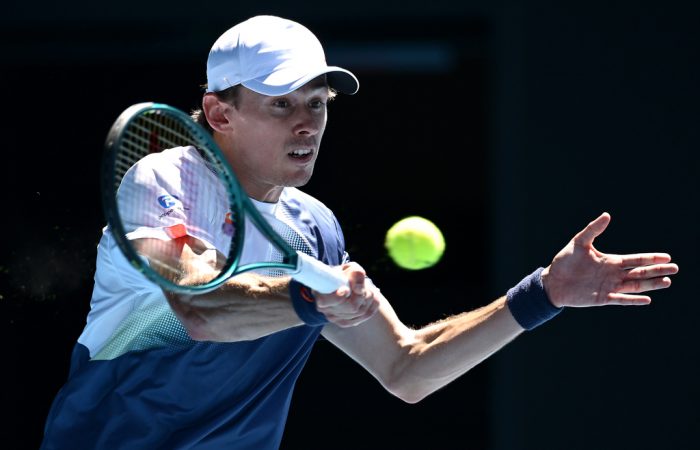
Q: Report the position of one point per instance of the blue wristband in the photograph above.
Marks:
(305, 305)
(528, 301)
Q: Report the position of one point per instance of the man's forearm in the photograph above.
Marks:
(246, 307)
(445, 350)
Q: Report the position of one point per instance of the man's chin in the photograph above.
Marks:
(299, 180)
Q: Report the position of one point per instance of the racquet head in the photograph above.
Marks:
(162, 176)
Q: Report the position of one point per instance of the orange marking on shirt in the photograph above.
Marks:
(176, 231)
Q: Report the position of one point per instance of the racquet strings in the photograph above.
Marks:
(200, 204)
(150, 132)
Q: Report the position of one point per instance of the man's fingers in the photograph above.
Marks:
(635, 286)
(645, 259)
(351, 320)
(340, 305)
(627, 299)
(324, 302)
(651, 271)
(356, 277)
(586, 236)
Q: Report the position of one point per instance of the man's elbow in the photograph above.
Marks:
(198, 333)
(408, 388)
(407, 393)
(189, 317)
(195, 327)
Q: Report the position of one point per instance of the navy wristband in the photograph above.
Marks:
(305, 305)
(528, 301)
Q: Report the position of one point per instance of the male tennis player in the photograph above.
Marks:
(165, 371)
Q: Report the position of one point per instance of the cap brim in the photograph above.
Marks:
(338, 78)
(342, 81)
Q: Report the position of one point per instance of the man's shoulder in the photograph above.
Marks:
(295, 196)
(322, 224)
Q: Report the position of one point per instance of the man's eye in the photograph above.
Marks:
(281, 103)
(317, 104)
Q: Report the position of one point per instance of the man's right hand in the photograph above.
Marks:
(350, 305)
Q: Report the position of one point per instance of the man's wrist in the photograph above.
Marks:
(305, 304)
(528, 301)
(546, 281)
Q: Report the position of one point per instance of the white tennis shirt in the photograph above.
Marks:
(167, 194)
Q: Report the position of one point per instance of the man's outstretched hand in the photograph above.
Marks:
(580, 275)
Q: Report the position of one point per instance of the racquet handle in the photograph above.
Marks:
(317, 275)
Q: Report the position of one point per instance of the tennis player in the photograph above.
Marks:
(155, 370)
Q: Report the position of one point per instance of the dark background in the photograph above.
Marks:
(510, 125)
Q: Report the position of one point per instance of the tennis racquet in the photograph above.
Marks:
(133, 179)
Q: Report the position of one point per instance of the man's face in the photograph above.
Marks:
(275, 141)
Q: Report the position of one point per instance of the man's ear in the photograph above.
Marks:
(215, 111)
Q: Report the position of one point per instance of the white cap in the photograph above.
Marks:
(272, 56)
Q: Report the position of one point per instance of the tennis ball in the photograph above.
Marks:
(414, 243)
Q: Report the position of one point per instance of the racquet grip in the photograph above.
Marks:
(317, 275)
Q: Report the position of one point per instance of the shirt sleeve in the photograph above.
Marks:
(150, 201)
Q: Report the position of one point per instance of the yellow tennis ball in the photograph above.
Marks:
(415, 243)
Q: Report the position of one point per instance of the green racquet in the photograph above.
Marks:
(130, 176)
